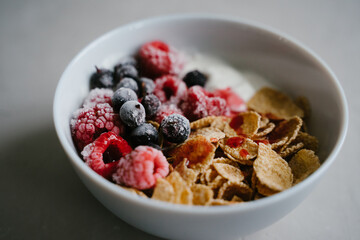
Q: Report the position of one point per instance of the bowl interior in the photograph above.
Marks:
(252, 48)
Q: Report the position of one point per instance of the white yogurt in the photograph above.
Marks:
(222, 75)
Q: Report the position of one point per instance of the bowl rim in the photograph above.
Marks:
(202, 210)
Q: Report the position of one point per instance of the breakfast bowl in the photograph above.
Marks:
(281, 60)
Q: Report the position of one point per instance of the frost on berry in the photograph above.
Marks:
(88, 123)
(157, 59)
(166, 110)
(233, 100)
(199, 104)
(170, 89)
(105, 152)
(97, 96)
(141, 168)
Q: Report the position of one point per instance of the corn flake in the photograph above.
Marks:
(202, 194)
(274, 104)
(197, 150)
(303, 163)
(271, 170)
(229, 172)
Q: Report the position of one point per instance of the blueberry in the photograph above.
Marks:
(175, 128)
(102, 78)
(125, 71)
(128, 83)
(132, 113)
(151, 104)
(121, 96)
(195, 78)
(144, 134)
(126, 61)
(146, 86)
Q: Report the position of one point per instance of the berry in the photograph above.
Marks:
(121, 96)
(175, 128)
(166, 110)
(195, 78)
(151, 104)
(144, 135)
(128, 83)
(103, 155)
(234, 102)
(132, 113)
(88, 123)
(170, 89)
(98, 95)
(102, 78)
(200, 103)
(146, 86)
(128, 60)
(121, 72)
(141, 168)
(156, 58)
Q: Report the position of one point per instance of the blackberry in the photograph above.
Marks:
(121, 72)
(132, 113)
(144, 134)
(102, 78)
(175, 128)
(128, 83)
(151, 104)
(146, 86)
(121, 96)
(195, 78)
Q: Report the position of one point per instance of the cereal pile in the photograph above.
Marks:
(169, 139)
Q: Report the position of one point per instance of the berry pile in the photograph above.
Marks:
(140, 107)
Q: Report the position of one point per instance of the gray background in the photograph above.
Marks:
(40, 195)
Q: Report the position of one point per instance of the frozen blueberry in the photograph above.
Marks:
(144, 134)
(175, 128)
(128, 83)
(146, 86)
(151, 104)
(102, 78)
(195, 78)
(121, 96)
(125, 71)
(132, 113)
(126, 61)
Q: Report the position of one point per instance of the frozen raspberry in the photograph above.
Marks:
(156, 58)
(234, 102)
(166, 110)
(98, 95)
(88, 123)
(170, 89)
(105, 152)
(200, 103)
(141, 168)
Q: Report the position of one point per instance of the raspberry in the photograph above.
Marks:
(141, 168)
(88, 123)
(105, 152)
(200, 103)
(170, 89)
(156, 58)
(166, 110)
(98, 95)
(234, 102)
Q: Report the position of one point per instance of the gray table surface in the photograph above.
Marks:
(40, 195)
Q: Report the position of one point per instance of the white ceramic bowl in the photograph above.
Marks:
(284, 61)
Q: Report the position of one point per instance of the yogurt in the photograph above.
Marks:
(221, 75)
